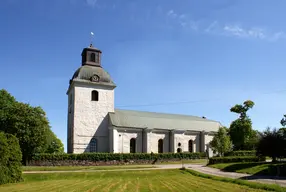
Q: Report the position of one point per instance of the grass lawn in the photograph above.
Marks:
(253, 168)
(155, 180)
(75, 168)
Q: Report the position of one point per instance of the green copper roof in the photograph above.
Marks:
(152, 120)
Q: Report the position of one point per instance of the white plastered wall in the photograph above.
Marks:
(122, 140)
(184, 140)
(153, 138)
(91, 117)
(208, 139)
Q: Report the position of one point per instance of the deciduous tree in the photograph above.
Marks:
(52, 145)
(272, 144)
(29, 124)
(240, 131)
(242, 109)
(283, 121)
(221, 142)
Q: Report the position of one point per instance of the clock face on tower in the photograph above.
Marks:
(94, 78)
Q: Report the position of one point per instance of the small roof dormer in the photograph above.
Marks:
(91, 56)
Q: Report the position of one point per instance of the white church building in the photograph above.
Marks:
(94, 125)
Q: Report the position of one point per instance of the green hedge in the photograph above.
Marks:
(232, 159)
(10, 159)
(241, 153)
(117, 156)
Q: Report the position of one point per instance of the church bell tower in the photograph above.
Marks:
(90, 99)
(91, 56)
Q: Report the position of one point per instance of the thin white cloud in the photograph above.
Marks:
(91, 3)
(236, 30)
(229, 30)
(278, 35)
(183, 16)
(189, 24)
(211, 27)
(172, 14)
(182, 19)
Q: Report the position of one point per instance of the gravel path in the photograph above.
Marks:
(195, 167)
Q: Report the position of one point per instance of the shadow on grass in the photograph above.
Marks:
(240, 181)
(258, 169)
(239, 166)
(262, 177)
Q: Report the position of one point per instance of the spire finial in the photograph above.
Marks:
(91, 38)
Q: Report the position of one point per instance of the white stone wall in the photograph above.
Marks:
(153, 138)
(208, 139)
(184, 140)
(115, 137)
(91, 117)
(122, 140)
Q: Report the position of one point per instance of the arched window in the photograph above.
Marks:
(92, 145)
(94, 95)
(133, 145)
(190, 146)
(92, 57)
(160, 146)
(179, 150)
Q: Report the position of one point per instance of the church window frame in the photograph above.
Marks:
(160, 146)
(93, 145)
(133, 145)
(94, 95)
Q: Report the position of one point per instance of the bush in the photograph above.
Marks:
(232, 159)
(10, 159)
(241, 153)
(117, 156)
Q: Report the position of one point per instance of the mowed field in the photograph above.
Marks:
(125, 181)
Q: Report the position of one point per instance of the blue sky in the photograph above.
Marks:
(196, 57)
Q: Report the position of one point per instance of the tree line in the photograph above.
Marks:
(241, 136)
(29, 125)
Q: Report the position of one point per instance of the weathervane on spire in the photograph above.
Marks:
(91, 38)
